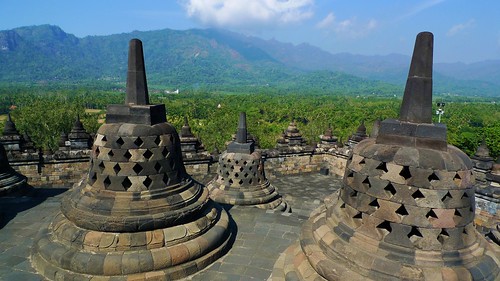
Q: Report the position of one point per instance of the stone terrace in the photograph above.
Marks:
(261, 235)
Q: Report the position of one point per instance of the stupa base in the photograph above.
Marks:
(64, 251)
(327, 250)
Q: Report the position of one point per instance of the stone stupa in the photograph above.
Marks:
(241, 179)
(10, 180)
(192, 148)
(406, 207)
(78, 136)
(138, 215)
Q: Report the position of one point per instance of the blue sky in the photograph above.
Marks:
(464, 30)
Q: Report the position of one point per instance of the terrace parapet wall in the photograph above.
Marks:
(65, 168)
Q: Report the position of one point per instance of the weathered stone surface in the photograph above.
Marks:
(138, 212)
(410, 216)
(241, 179)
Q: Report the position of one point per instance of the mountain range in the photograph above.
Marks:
(219, 59)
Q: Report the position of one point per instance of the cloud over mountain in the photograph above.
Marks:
(248, 14)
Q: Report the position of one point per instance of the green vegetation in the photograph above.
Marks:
(215, 60)
(45, 113)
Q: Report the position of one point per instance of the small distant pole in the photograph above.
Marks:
(440, 110)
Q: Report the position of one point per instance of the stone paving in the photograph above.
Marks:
(261, 235)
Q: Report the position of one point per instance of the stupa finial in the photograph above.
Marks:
(417, 99)
(137, 88)
(241, 134)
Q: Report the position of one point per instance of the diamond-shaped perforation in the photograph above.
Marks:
(432, 177)
(465, 195)
(382, 166)
(127, 155)
(414, 233)
(375, 204)
(405, 172)
(342, 206)
(385, 225)
(147, 154)
(240, 182)
(417, 194)
(236, 175)
(97, 151)
(250, 181)
(164, 152)
(457, 179)
(359, 215)
(447, 197)
(104, 139)
(390, 188)
(117, 168)
(157, 167)
(431, 214)
(157, 140)
(246, 175)
(402, 211)
(138, 141)
(111, 153)
(241, 169)
(367, 183)
(137, 168)
(107, 182)
(101, 166)
(147, 182)
(443, 235)
(126, 183)
(362, 162)
(230, 181)
(457, 213)
(120, 141)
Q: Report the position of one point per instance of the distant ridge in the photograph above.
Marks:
(217, 58)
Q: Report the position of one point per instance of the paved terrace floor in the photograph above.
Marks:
(261, 235)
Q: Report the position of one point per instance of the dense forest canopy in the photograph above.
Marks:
(45, 112)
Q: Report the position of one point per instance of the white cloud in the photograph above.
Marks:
(460, 27)
(244, 13)
(348, 27)
(419, 8)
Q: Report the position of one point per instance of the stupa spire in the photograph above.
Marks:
(137, 88)
(241, 134)
(417, 99)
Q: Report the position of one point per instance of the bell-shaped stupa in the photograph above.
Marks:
(11, 139)
(406, 207)
(78, 136)
(138, 215)
(241, 179)
(10, 180)
(192, 148)
(328, 140)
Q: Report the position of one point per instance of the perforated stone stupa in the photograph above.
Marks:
(138, 215)
(241, 179)
(406, 207)
(10, 180)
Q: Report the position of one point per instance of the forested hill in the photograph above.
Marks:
(211, 59)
